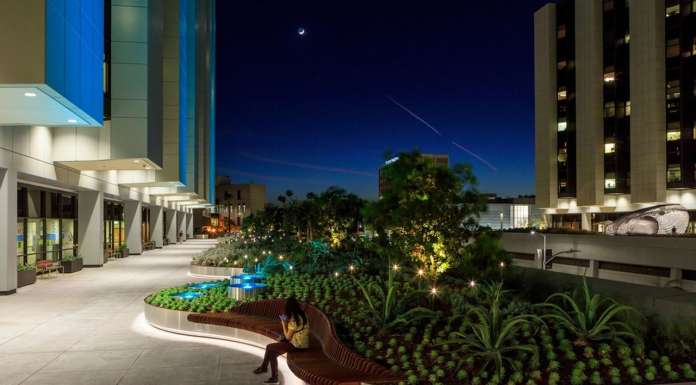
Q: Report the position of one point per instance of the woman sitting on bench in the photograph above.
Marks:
(295, 336)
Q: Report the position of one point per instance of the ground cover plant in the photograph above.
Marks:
(412, 282)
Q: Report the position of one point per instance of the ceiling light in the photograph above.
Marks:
(136, 160)
(72, 120)
(30, 94)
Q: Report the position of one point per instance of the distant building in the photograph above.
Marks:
(439, 159)
(235, 202)
(510, 213)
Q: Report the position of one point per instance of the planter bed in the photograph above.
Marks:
(72, 266)
(26, 277)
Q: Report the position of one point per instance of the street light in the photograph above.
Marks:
(543, 253)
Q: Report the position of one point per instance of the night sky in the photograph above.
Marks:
(307, 112)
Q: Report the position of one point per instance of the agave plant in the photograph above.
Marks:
(390, 309)
(491, 336)
(590, 317)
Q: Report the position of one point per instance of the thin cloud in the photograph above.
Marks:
(273, 177)
(309, 166)
(435, 130)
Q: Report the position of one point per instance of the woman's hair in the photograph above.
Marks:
(294, 310)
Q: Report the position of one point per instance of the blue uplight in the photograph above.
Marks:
(204, 285)
(187, 295)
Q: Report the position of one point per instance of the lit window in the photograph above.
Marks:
(628, 108)
(672, 49)
(627, 38)
(562, 155)
(693, 44)
(609, 109)
(609, 148)
(561, 31)
(609, 77)
(673, 10)
(673, 89)
(562, 64)
(562, 126)
(562, 93)
(673, 135)
(610, 183)
(673, 173)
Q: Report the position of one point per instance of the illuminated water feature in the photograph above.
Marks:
(247, 277)
(245, 289)
(205, 285)
(187, 295)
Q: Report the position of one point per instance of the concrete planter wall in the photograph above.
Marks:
(214, 271)
(72, 266)
(26, 277)
(175, 321)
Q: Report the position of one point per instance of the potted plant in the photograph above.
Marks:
(124, 251)
(26, 274)
(71, 263)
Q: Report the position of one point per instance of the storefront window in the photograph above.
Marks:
(20, 240)
(35, 240)
(53, 239)
(68, 236)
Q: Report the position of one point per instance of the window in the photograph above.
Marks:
(610, 181)
(561, 33)
(608, 5)
(628, 108)
(562, 155)
(673, 135)
(562, 126)
(672, 49)
(672, 10)
(562, 65)
(673, 89)
(693, 44)
(673, 173)
(609, 148)
(609, 109)
(562, 93)
(609, 75)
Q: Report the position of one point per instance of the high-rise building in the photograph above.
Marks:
(438, 159)
(615, 115)
(107, 126)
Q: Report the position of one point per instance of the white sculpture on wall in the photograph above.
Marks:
(661, 219)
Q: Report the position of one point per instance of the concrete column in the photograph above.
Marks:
(157, 225)
(133, 211)
(593, 271)
(8, 231)
(589, 102)
(90, 227)
(180, 223)
(648, 102)
(189, 225)
(170, 225)
(545, 94)
(586, 221)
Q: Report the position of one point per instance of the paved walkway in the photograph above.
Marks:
(88, 328)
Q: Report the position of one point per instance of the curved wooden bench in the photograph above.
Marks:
(326, 362)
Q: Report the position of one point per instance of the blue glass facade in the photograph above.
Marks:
(75, 51)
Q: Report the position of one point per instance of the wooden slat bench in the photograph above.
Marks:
(326, 362)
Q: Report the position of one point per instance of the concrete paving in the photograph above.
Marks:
(88, 328)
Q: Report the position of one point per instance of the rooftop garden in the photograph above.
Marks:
(412, 282)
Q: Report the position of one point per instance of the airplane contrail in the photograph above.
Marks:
(309, 166)
(435, 130)
(414, 115)
(273, 177)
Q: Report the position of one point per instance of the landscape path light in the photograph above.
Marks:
(472, 283)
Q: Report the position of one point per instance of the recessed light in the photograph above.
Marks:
(30, 94)
(136, 161)
(72, 120)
